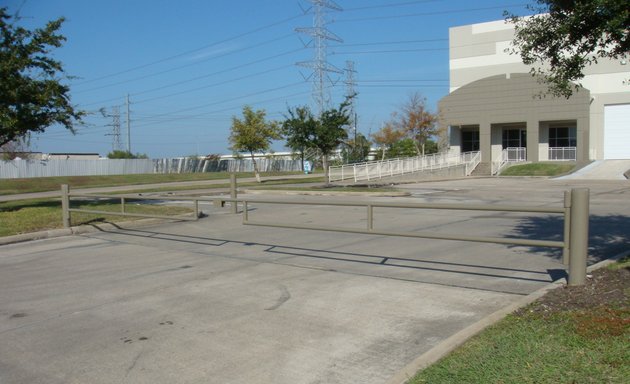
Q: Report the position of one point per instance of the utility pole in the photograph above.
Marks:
(128, 127)
(320, 66)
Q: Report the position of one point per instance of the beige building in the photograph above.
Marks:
(493, 105)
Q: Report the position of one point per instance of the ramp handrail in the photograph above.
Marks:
(373, 170)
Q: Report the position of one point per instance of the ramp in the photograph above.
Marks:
(601, 170)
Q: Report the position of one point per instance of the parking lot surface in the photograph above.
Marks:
(214, 301)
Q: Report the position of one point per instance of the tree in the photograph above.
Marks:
(567, 36)
(357, 150)
(324, 134)
(253, 134)
(416, 121)
(330, 131)
(298, 128)
(118, 154)
(386, 137)
(32, 97)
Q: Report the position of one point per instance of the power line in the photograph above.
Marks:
(390, 51)
(180, 67)
(390, 5)
(232, 99)
(284, 97)
(215, 84)
(432, 13)
(209, 74)
(392, 42)
(250, 32)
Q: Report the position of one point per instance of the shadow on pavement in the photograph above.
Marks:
(608, 235)
(380, 261)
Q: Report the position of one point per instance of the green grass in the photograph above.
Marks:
(44, 184)
(577, 336)
(532, 349)
(538, 169)
(24, 216)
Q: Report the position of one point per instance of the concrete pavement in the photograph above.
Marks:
(213, 301)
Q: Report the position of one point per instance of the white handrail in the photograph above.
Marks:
(392, 167)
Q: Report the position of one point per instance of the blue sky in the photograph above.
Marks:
(190, 65)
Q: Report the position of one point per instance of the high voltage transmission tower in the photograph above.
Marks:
(116, 144)
(351, 94)
(115, 115)
(320, 66)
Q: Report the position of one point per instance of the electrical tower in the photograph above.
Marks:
(116, 145)
(115, 115)
(351, 94)
(128, 126)
(320, 66)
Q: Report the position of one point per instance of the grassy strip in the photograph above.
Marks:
(26, 216)
(44, 184)
(550, 341)
(538, 169)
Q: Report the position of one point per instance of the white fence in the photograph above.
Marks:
(563, 153)
(48, 168)
(378, 169)
(509, 155)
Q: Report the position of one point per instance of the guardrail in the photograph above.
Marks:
(562, 153)
(575, 212)
(509, 155)
(373, 170)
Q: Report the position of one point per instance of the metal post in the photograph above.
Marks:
(122, 205)
(65, 205)
(233, 193)
(370, 217)
(578, 246)
(196, 202)
(567, 228)
(245, 216)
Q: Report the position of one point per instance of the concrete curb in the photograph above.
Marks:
(447, 346)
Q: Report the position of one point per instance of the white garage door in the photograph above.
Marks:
(617, 131)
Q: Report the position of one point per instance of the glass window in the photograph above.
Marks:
(514, 138)
(562, 137)
(470, 141)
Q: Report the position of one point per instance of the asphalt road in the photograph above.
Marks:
(214, 301)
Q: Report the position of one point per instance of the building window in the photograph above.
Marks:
(562, 137)
(470, 141)
(514, 138)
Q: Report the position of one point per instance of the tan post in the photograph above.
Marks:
(65, 205)
(567, 228)
(233, 193)
(578, 247)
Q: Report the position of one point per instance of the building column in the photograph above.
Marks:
(485, 142)
(582, 137)
(533, 140)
